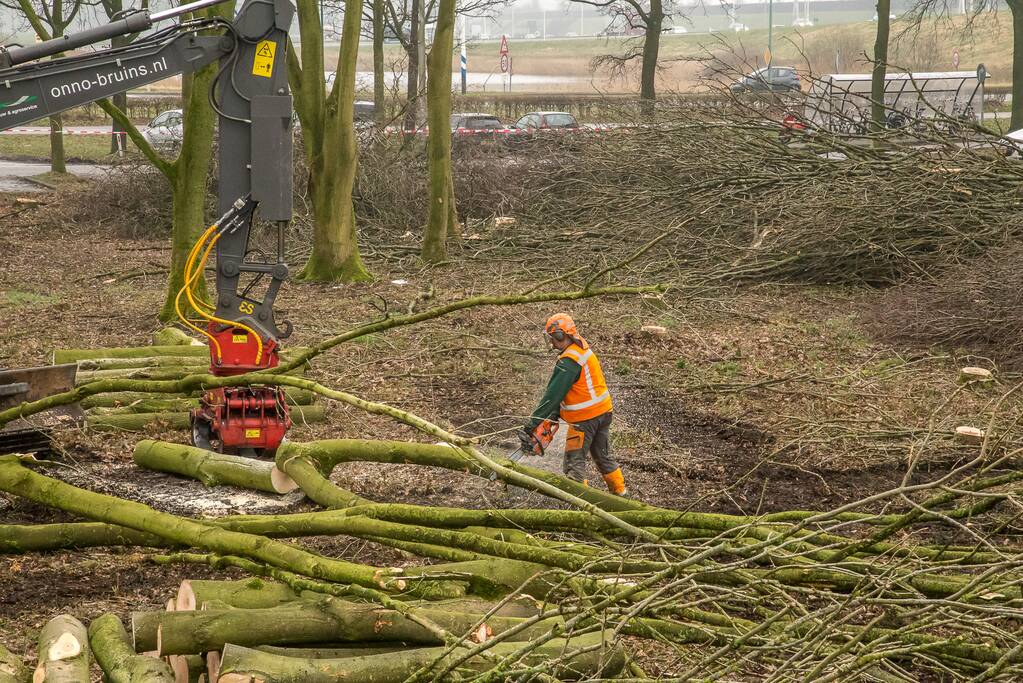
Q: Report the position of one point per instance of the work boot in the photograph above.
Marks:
(616, 482)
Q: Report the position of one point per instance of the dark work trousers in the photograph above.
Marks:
(589, 437)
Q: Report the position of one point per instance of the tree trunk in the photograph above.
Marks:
(63, 652)
(412, 77)
(57, 164)
(579, 657)
(379, 101)
(330, 146)
(1016, 7)
(188, 178)
(118, 139)
(442, 219)
(116, 656)
(12, 668)
(213, 469)
(651, 47)
(878, 114)
(244, 594)
(323, 620)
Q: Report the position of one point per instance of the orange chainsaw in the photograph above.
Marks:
(539, 439)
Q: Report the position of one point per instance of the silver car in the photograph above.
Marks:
(166, 130)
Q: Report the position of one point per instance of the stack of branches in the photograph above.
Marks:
(751, 198)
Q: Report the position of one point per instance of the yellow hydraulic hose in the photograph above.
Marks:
(213, 318)
(190, 277)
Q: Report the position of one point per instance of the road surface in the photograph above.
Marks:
(13, 174)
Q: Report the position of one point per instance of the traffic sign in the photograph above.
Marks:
(504, 45)
(955, 58)
(504, 63)
(767, 56)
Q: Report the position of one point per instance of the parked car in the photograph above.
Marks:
(547, 120)
(773, 79)
(475, 121)
(166, 129)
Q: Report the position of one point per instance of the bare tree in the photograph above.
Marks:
(442, 221)
(50, 19)
(113, 9)
(647, 16)
(328, 129)
(879, 71)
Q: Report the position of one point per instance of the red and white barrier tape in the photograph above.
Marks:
(43, 131)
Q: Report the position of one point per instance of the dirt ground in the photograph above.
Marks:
(764, 399)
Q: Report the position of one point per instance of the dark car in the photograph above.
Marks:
(547, 120)
(770, 79)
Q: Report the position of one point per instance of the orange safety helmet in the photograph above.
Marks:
(561, 325)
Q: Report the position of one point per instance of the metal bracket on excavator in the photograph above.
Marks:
(32, 435)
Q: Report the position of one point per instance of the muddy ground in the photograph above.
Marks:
(763, 399)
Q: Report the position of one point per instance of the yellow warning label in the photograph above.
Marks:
(239, 338)
(263, 64)
(251, 433)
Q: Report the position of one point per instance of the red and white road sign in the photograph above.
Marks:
(504, 45)
(504, 64)
(955, 58)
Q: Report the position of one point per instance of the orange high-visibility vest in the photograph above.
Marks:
(589, 396)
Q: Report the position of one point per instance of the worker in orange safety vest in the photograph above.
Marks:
(578, 394)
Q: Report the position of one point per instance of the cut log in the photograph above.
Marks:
(971, 375)
(116, 656)
(73, 355)
(244, 594)
(149, 405)
(969, 435)
(331, 652)
(138, 421)
(22, 538)
(318, 620)
(12, 668)
(173, 336)
(574, 659)
(213, 469)
(135, 363)
(63, 652)
(115, 399)
(187, 668)
(61, 356)
(213, 665)
(144, 626)
(162, 373)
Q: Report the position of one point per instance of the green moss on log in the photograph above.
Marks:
(116, 656)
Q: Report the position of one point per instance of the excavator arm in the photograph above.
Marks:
(254, 108)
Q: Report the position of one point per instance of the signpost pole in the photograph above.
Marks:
(465, 57)
(770, 31)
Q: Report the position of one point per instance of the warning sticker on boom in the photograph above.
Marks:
(263, 64)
